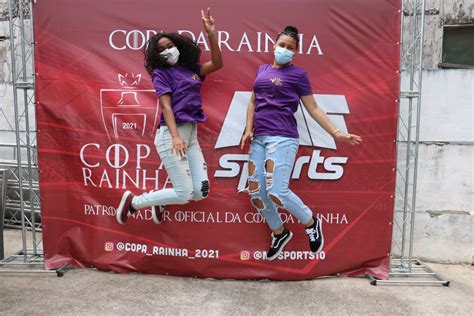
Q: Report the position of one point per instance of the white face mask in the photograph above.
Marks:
(171, 55)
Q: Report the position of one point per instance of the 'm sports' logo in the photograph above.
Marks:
(310, 134)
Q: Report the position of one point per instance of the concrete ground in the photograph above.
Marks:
(89, 292)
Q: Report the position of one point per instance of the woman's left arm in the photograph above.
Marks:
(216, 62)
(322, 119)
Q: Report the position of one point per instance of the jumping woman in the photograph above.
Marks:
(172, 60)
(271, 127)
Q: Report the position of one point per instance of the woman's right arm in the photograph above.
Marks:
(216, 57)
(179, 146)
(248, 133)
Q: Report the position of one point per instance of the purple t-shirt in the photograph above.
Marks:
(184, 86)
(277, 96)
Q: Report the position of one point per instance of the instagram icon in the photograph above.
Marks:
(109, 246)
(244, 255)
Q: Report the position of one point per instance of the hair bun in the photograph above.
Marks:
(290, 29)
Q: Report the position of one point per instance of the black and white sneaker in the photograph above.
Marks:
(315, 236)
(157, 213)
(278, 243)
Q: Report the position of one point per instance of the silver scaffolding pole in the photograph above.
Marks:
(24, 175)
(404, 269)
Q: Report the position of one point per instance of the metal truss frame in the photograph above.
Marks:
(21, 179)
(404, 269)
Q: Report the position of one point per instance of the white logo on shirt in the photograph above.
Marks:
(276, 81)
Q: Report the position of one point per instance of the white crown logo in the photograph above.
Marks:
(129, 82)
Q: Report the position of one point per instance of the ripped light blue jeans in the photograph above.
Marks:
(271, 160)
(188, 174)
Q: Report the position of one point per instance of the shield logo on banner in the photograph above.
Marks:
(128, 112)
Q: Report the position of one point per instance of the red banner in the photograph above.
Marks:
(97, 115)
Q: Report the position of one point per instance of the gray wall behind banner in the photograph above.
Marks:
(445, 189)
(445, 205)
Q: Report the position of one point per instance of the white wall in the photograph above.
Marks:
(447, 106)
(445, 189)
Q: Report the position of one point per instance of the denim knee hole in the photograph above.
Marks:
(254, 186)
(205, 188)
(276, 200)
(258, 203)
(269, 169)
(252, 168)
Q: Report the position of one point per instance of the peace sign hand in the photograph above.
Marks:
(208, 21)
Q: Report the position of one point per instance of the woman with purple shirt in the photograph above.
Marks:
(172, 61)
(271, 127)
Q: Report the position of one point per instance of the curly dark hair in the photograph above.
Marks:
(189, 52)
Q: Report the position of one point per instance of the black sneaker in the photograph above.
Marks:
(315, 236)
(278, 243)
(125, 208)
(157, 213)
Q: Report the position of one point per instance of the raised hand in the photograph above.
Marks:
(208, 21)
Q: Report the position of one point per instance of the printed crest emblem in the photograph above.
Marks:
(128, 111)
